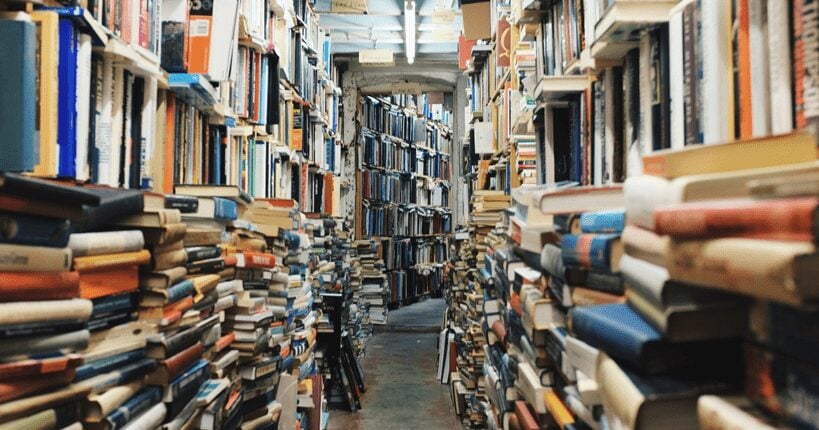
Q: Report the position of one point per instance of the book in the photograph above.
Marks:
(159, 219)
(18, 125)
(34, 230)
(224, 191)
(29, 286)
(581, 199)
(98, 243)
(21, 258)
(730, 156)
(625, 335)
(645, 193)
(729, 412)
(682, 312)
(100, 406)
(779, 219)
(592, 251)
(766, 269)
(172, 366)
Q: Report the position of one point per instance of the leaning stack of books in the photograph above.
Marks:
(723, 253)
(374, 289)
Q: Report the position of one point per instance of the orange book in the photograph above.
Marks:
(15, 389)
(557, 409)
(526, 420)
(224, 342)
(170, 131)
(25, 286)
(328, 194)
(35, 367)
(106, 282)
(746, 125)
(200, 28)
(108, 261)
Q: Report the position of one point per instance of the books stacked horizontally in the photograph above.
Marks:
(63, 316)
(487, 212)
(375, 290)
(707, 246)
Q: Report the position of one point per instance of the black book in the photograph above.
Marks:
(185, 204)
(53, 191)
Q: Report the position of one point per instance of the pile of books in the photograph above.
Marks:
(370, 277)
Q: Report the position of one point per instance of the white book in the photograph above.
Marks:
(676, 78)
(150, 419)
(149, 124)
(83, 105)
(117, 116)
(779, 63)
(717, 109)
(223, 38)
(760, 95)
(646, 117)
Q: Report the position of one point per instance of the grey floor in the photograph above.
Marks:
(400, 368)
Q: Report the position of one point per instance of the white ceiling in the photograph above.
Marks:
(437, 27)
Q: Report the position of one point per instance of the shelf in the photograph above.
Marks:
(582, 64)
(551, 88)
(622, 23)
(85, 20)
(196, 90)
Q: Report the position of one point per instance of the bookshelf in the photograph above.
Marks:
(189, 155)
(403, 190)
(604, 94)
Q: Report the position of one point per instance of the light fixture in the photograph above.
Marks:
(409, 30)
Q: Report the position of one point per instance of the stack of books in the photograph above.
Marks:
(63, 323)
(374, 289)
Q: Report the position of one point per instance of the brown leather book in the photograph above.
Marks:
(10, 390)
(526, 420)
(25, 286)
(173, 366)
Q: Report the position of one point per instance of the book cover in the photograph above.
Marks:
(592, 251)
(19, 124)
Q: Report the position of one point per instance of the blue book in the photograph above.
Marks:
(134, 406)
(67, 100)
(592, 251)
(610, 221)
(180, 290)
(225, 209)
(194, 376)
(115, 303)
(34, 230)
(108, 364)
(19, 147)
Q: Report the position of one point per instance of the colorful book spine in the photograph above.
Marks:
(592, 251)
(613, 221)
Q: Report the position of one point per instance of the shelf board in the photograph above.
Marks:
(551, 88)
(85, 20)
(196, 90)
(623, 21)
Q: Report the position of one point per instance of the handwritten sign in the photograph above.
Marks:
(349, 6)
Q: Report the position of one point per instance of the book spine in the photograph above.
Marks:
(181, 361)
(18, 125)
(107, 364)
(184, 204)
(603, 222)
(23, 286)
(676, 78)
(780, 62)
(194, 376)
(83, 244)
(781, 218)
(16, 258)
(592, 251)
(34, 230)
(179, 291)
(132, 408)
(224, 209)
(67, 131)
(618, 339)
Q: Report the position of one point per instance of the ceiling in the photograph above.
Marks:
(382, 27)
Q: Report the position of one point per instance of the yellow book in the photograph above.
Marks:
(732, 156)
(48, 30)
(557, 409)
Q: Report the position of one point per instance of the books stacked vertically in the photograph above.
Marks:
(725, 255)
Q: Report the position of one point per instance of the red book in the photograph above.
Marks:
(26, 286)
(776, 219)
(256, 260)
(499, 330)
(526, 419)
(35, 367)
(15, 389)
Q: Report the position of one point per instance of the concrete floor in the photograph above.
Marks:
(399, 369)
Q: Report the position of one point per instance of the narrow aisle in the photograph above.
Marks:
(399, 367)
